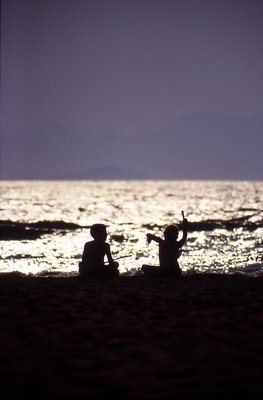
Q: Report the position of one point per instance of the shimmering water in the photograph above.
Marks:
(226, 223)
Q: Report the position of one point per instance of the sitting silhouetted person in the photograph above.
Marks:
(94, 252)
(169, 251)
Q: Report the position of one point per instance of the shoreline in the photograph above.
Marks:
(131, 337)
(247, 272)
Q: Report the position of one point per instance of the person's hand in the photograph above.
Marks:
(148, 239)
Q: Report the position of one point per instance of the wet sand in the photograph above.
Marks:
(131, 337)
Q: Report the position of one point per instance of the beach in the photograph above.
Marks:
(131, 337)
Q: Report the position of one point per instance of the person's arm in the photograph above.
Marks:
(182, 241)
(84, 254)
(150, 237)
(108, 254)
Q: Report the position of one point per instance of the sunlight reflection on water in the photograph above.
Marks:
(130, 209)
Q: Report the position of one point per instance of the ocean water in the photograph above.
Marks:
(45, 224)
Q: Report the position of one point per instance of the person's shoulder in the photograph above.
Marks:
(90, 243)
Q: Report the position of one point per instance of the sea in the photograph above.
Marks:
(45, 224)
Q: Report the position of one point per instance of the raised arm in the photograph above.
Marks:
(182, 241)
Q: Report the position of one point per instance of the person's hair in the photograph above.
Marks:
(171, 231)
(97, 229)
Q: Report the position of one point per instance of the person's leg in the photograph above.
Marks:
(172, 271)
(112, 270)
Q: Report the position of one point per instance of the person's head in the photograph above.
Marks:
(98, 232)
(171, 232)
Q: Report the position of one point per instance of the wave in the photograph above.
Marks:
(10, 230)
(212, 224)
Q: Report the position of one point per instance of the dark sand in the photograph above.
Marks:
(131, 337)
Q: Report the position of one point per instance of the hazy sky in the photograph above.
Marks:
(131, 68)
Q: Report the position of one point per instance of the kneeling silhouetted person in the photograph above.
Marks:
(94, 252)
(169, 251)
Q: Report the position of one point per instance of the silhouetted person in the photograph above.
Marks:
(169, 251)
(94, 253)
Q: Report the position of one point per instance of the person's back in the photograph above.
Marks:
(94, 253)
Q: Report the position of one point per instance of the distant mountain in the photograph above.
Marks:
(197, 146)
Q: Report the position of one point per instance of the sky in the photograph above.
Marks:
(159, 89)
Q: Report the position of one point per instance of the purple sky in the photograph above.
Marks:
(96, 75)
